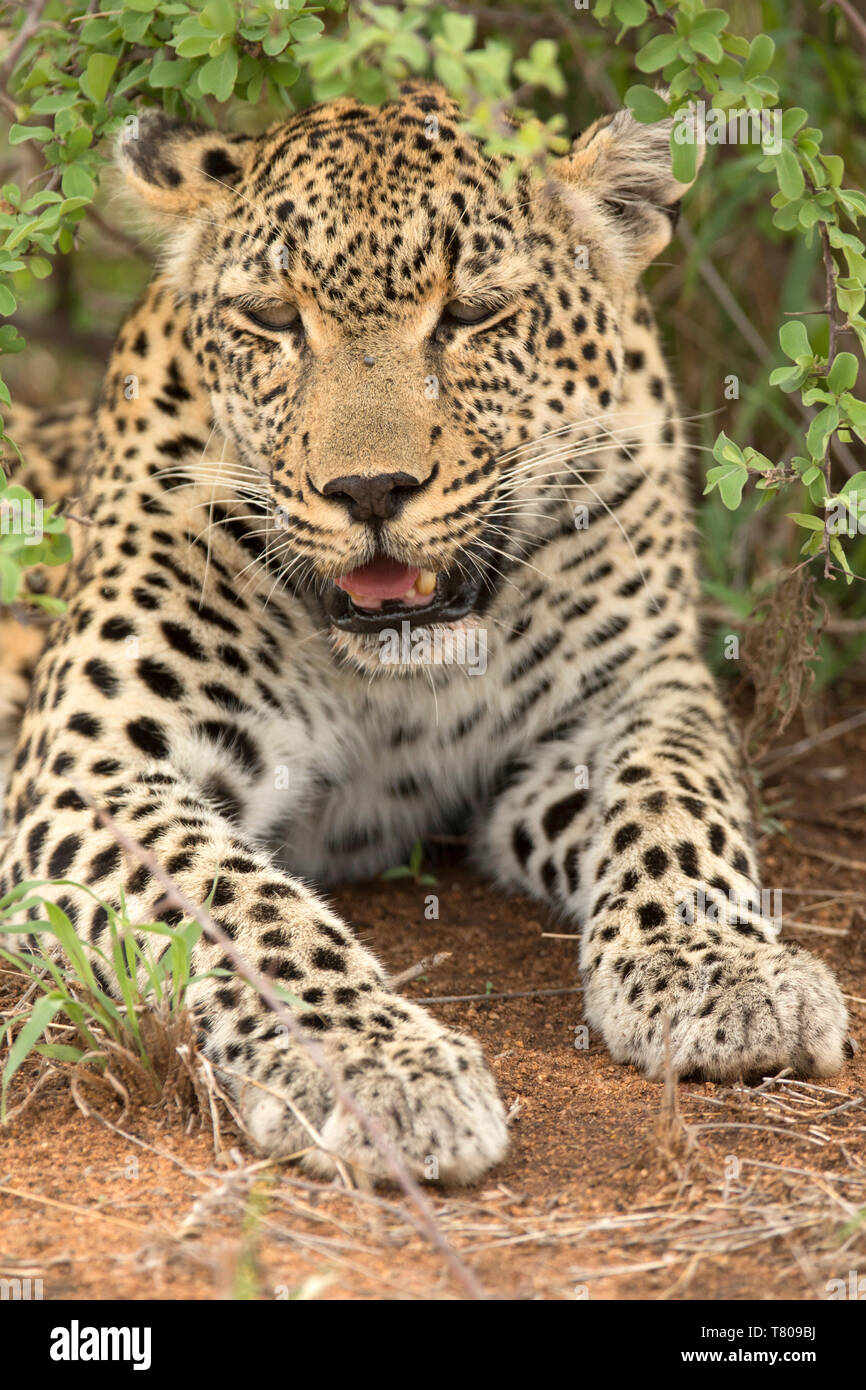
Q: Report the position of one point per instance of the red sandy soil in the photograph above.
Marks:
(744, 1195)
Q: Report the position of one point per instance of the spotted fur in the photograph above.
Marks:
(198, 689)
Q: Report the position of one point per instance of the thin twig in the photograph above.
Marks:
(807, 745)
(791, 922)
(73, 1206)
(507, 994)
(424, 965)
(839, 859)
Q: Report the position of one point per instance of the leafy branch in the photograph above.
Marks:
(696, 57)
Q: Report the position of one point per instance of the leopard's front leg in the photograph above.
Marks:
(637, 826)
(427, 1086)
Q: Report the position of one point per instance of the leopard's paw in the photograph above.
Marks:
(743, 1011)
(284, 1114)
(426, 1087)
(430, 1091)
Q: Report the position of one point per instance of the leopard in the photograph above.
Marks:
(386, 533)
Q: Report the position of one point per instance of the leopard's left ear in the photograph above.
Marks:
(175, 167)
(619, 179)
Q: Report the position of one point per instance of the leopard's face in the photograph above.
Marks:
(390, 340)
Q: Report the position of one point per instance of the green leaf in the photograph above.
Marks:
(19, 133)
(53, 102)
(8, 302)
(788, 378)
(854, 202)
(809, 523)
(855, 410)
(192, 45)
(171, 72)
(458, 30)
(794, 340)
(133, 27)
(59, 1052)
(792, 120)
(10, 341)
(843, 373)
(755, 459)
(761, 51)
(684, 157)
(646, 105)
(272, 44)
(850, 296)
(309, 27)
(77, 183)
(78, 141)
(729, 478)
(823, 425)
(789, 174)
(96, 79)
(815, 394)
(220, 16)
(540, 68)
(835, 168)
(451, 72)
(41, 1014)
(731, 487)
(836, 549)
(658, 52)
(630, 12)
(707, 45)
(726, 450)
(284, 74)
(25, 229)
(217, 77)
(10, 579)
(55, 607)
(285, 996)
(712, 21)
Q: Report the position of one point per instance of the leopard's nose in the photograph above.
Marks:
(373, 498)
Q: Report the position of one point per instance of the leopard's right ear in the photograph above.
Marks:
(174, 167)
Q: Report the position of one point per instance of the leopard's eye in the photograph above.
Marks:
(464, 311)
(277, 316)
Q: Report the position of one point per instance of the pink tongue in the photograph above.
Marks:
(380, 579)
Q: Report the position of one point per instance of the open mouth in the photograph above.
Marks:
(378, 594)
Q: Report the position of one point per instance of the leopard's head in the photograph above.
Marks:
(387, 331)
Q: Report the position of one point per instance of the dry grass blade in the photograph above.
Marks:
(674, 1138)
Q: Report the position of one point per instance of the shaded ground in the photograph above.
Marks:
(746, 1194)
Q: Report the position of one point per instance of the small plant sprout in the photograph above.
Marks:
(412, 869)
